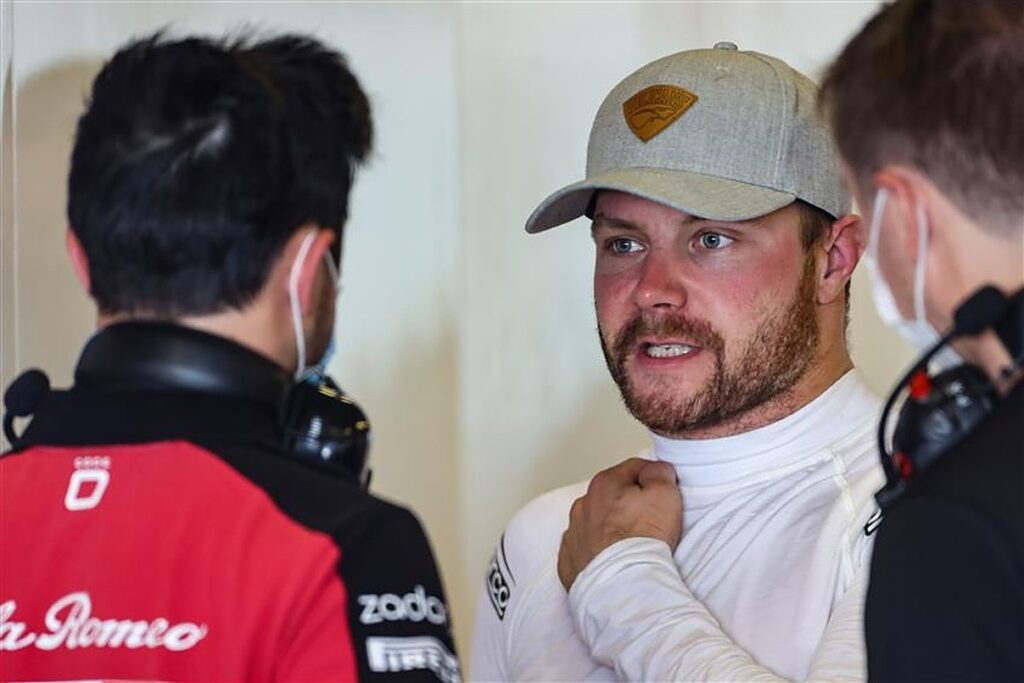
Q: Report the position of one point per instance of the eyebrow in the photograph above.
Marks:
(602, 220)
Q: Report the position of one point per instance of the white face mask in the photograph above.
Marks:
(293, 299)
(918, 332)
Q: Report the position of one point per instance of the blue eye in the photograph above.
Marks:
(623, 245)
(714, 240)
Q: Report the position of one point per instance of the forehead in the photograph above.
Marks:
(623, 206)
(615, 204)
(622, 210)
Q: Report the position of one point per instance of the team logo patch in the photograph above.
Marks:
(499, 587)
(70, 624)
(395, 655)
(415, 606)
(88, 483)
(651, 110)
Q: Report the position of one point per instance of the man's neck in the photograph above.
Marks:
(985, 350)
(968, 257)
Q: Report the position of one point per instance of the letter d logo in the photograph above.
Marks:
(79, 485)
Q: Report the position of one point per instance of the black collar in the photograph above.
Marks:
(138, 382)
(168, 357)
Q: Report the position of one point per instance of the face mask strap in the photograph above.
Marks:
(919, 267)
(293, 298)
(876, 223)
(332, 268)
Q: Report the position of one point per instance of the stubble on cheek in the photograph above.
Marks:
(766, 364)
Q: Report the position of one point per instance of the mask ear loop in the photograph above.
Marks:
(316, 373)
(332, 268)
(876, 223)
(919, 269)
(293, 298)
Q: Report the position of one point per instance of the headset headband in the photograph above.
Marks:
(167, 357)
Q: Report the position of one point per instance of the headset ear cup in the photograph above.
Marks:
(929, 425)
(940, 411)
(326, 429)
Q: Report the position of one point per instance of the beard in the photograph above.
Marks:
(767, 365)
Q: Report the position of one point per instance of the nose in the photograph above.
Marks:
(661, 285)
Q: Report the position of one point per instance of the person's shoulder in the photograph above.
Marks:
(539, 524)
(321, 500)
(369, 515)
(339, 506)
(854, 445)
(854, 420)
(534, 533)
(969, 498)
(524, 559)
(944, 572)
(545, 515)
(984, 472)
(847, 427)
(546, 507)
(850, 473)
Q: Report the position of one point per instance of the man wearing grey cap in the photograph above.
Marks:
(724, 249)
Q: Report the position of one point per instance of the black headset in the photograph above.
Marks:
(322, 426)
(938, 411)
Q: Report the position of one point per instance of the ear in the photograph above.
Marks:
(79, 261)
(843, 247)
(306, 270)
(906, 194)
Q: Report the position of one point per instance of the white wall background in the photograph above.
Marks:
(472, 346)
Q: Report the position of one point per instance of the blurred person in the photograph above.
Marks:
(163, 519)
(734, 549)
(929, 119)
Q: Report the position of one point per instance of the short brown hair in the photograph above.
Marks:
(938, 85)
(814, 223)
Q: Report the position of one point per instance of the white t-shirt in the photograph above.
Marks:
(767, 581)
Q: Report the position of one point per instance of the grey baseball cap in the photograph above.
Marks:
(723, 134)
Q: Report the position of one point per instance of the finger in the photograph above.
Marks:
(574, 513)
(564, 565)
(656, 473)
(629, 470)
(621, 475)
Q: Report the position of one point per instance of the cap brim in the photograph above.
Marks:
(695, 193)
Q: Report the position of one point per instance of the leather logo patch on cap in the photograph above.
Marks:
(651, 110)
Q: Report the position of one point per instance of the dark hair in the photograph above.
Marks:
(197, 159)
(936, 84)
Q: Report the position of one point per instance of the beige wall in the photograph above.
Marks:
(7, 262)
(471, 345)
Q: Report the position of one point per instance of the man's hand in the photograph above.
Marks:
(635, 498)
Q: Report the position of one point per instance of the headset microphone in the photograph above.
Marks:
(980, 312)
(939, 411)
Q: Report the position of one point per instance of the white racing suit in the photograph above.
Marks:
(767, 582)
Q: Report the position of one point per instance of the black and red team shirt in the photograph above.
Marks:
(154, 535)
